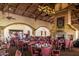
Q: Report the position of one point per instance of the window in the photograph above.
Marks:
(42, 31)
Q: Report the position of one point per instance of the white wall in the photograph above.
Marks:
(20, 19)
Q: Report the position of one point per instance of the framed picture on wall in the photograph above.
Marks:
(60, 22)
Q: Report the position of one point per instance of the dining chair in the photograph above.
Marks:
(18, 53)
(56, 52)
(46, 51)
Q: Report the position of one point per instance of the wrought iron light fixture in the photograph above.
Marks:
(48, 9)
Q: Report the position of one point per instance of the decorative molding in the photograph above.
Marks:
(41, 26)
(19, 23)
(71, 27)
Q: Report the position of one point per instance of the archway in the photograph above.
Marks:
(17, 27)
(42, 31)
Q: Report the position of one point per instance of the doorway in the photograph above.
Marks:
(60, 34)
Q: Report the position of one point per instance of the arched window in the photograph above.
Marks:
(20, 28)
(42, 31)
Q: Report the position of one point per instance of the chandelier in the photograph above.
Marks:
(46, 9)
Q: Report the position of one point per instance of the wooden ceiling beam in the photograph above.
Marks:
(4, 7)
(48, 19)
(39, 13)
(35, 13)
(51, 18)
(36, 8)
(43, 20)
(31, 8)
(26, 9)
(16, 8)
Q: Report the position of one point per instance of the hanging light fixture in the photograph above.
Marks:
(48, 9)
(8, 16)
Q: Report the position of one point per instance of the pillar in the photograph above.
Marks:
(69, 22)
(2, 33)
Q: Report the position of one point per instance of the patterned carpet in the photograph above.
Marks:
(74, 52)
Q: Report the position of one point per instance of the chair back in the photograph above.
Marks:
(46, 51)
(56, 52)
(71, 43)
(8, 45)
(18, 53)
(67, 43)
(30, 49)
(32, 42)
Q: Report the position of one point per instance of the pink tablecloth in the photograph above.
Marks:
(33, 42)
(67, 43)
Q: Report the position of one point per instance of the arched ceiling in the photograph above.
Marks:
(28, 10)
(31, 10)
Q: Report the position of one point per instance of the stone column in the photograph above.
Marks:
(2, 33)
(33, 32)
(69, 22)
(69, 16)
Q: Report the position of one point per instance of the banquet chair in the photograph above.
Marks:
(67, 43)
(56, 52)
(8, 45)
(46, 51)
(32, 42)
(18, 53)
(70, 45)
(30, 49)
(33, 50)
